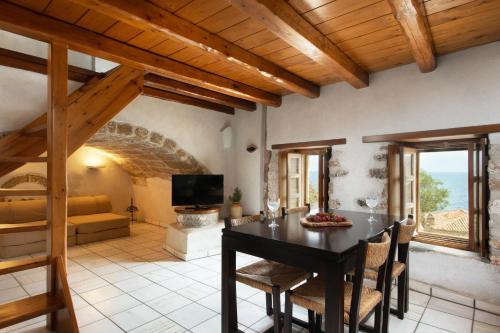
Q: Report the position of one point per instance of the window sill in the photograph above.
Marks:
(422, 247)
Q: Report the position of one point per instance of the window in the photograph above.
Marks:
(443, 184)
(304, 178)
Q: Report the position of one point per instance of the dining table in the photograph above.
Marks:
(328, 251)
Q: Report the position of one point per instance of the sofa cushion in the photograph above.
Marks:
(102, 235)
(5, 213)
(88, 205)
(27, 210)
(86, 224)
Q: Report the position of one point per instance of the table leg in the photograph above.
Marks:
(334, 298)
(229, 310)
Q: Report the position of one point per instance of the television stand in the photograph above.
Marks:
(195, 217)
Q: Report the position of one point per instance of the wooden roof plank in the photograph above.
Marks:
(159, 22)
(413, 21)
(25, 22)
(282, 19)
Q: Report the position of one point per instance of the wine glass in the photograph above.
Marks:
(372, 202)
(273, 204)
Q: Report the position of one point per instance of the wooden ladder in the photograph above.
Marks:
(56, 302)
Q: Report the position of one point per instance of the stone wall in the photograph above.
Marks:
(494, 205)
(144, 153)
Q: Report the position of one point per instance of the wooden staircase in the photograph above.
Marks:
(68, 124)
(42, 304)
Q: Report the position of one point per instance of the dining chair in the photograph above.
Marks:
(271, 277)
(304, 209)
(360, 301)
(400, 268)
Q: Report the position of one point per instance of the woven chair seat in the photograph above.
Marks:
(397, 269)
(265, 274)
(311, 295)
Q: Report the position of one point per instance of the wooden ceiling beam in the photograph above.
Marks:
(39, 65)
(411, 16)
(22, 21)
(283, 20)
(149, 17)
(182, 88)
(31, 63)
(183, 99)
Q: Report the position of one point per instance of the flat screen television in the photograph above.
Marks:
(197, 190)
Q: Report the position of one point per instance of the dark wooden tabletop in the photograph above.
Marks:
(335, 240)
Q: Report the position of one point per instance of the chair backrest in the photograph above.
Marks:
(407, 230)
(376, 256)
(304, 209)
(229, 222)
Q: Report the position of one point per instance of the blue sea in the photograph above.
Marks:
(457, 185)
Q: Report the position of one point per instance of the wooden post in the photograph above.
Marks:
(57, 143)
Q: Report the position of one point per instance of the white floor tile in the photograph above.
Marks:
(447, 321)
(177, 282)
(149, 293)
(135, 317)
(191, 315)
(12, 294)
(450, 307)
(196, 291)
(249, 314)
(132, 284)
(145, 268)
(452, 296)
(487, 318)
(160, 275)
(116, 305)
(160, 325)
(87, 315)
(182, 267)
(88, 285)
(117, 276)
(168, 303)
(101, 294)
(424, 328)
(8, 282)
(213, 325)
(104, 325)
(489, 307)
(212, 302)
(484, 328)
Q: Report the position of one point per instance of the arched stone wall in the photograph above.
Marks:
(26, 178)
(144, 153)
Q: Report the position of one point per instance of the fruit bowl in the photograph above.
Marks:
(325, 220)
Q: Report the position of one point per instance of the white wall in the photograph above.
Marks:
(464, 90)
(247, 130)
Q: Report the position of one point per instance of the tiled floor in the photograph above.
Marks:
(132, 285)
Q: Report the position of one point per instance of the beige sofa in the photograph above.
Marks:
(89, 219)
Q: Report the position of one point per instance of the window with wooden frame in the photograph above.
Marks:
(444, 185)
(304, 177)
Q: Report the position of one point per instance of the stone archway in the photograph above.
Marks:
(32, 178)
(144, 153)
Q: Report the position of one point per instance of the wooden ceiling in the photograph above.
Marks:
(243, 47)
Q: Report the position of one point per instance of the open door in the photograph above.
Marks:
(295, 180)
(403, 181)
(409, 170)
